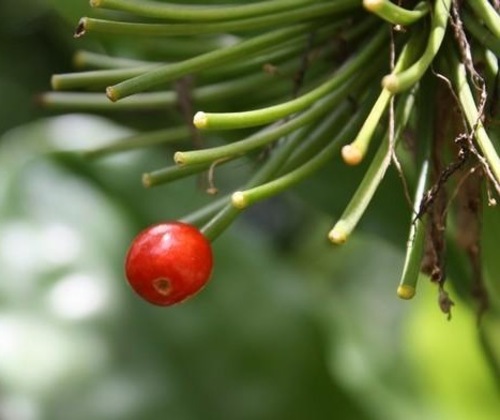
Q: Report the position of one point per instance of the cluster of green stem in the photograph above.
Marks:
(311, 75)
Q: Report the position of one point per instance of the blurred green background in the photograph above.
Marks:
(288, 328)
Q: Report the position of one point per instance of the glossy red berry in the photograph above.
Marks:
(168, 263)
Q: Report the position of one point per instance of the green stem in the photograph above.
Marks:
(397, 82)
(171, 173)
(314, 11)
(232, 120)
(354, 152)
(89, 59)
(168, 135)
(243, 199)
(95, 79)
(479, 32)
(198, 13)
(173, 71)
(473, 118)
(372, 179)
(207, 212)
(395, 14)
(487, 14)
(416, 238)
(269, 135)
(275, 164)
(158, 100)
(416, 241)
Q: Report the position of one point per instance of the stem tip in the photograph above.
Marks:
(372, 5)
(80, 28)
(338, 235)
(146, 180)
(179, 158)
(112, 94)
(200, 120)
(351, 154)
(391, 83)
(239, 200)
(406, 291)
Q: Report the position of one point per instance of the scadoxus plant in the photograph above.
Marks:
(413, 84)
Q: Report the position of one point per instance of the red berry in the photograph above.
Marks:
(168, 263)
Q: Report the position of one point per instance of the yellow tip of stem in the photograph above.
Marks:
(179, 158)
(406, 291)
(54, 82)
(146, 180)
(200, 120)
(112, 94)
(81, 28)
(391, 83)
(339, 234)
(352, 154)
(95, 3)
(239, 200)
(372, 5)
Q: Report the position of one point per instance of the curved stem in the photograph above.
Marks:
(395, 14)
(231, 120)
(269, 135)
(397, 82)
(354, 152)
